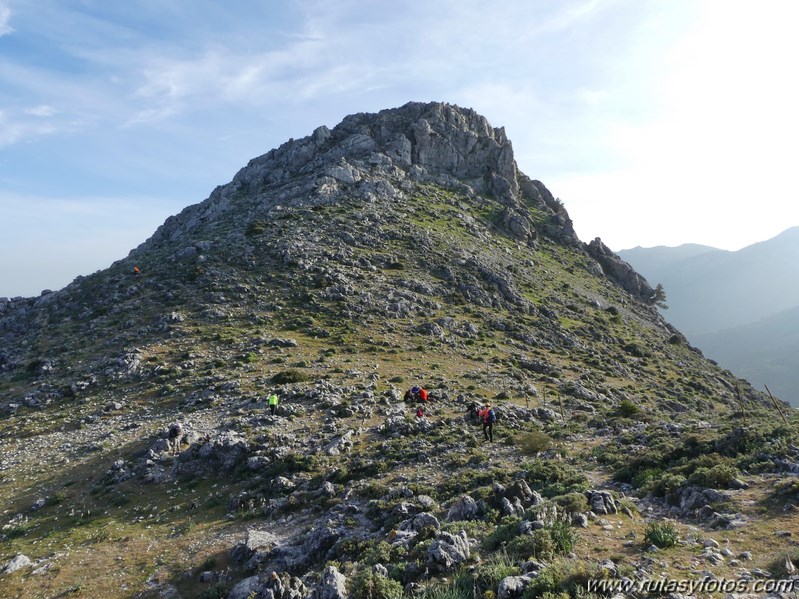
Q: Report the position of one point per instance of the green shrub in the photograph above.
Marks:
(628, 409)
(507, 529)
(563, 536)
(538, 545)
(572, 503)
(462, 585)
(289, 376)
(718, 476)
(491, 572)
(661, 534)
(565, 578)
(370, 585)
(552, 478)
(532, 443)
(662, 484)
(644, 479)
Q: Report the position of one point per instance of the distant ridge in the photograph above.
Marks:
(739, 307)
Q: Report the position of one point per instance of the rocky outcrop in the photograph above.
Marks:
(620, 271)
(434, 142)
(332, 586)
(448, 551)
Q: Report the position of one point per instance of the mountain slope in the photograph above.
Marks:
(763, 352)
(716, 289)
(738, 307)
(398, 248)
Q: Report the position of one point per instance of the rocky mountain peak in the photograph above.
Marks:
(376, 157)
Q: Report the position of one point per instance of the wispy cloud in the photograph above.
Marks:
(5, 17)
(42, 110)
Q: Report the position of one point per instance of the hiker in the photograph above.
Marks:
(408, 397)
(415, 392)
(272, 402)
(175, 437)
(489, 417)
(423, 394)
(136, 270)
(473, 411)
(419, 412)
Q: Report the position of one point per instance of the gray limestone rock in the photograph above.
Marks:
(18, 562)
(448, 551)
(464, 508)
(332, 586)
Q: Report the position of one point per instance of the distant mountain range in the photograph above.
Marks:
(740, 308)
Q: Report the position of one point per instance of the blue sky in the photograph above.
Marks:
(656, 122)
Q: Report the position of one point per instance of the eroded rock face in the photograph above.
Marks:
(620, 271)
(433, 142)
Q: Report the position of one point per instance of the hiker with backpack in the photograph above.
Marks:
(272, 403)
(489, 417)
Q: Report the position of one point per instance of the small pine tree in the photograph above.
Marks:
(659, 297)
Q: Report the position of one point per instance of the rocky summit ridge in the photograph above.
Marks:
(398, 248)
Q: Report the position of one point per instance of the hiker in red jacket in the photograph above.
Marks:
(488, 417)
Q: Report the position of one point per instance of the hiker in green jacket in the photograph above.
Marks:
(272, 402)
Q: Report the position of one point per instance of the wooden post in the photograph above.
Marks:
(776, 405)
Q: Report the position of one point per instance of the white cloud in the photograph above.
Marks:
(5, 17)
(41, 110)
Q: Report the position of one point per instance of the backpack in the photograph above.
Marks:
(491, 417)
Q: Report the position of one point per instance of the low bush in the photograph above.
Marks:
(565, 578)
(628, 409)
(537, 545)
(572, 503)
(289, 376)
(554, 478)
(532, 443)
(716, 477)
(374, 586)
(491, 572)
(507, 529)
(563, 536)
(661, 534)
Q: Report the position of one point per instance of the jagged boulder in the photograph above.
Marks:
(332, 586)
(620, 271)
(448, 551)
(601, 502)
(464, 508)
(513, 587)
